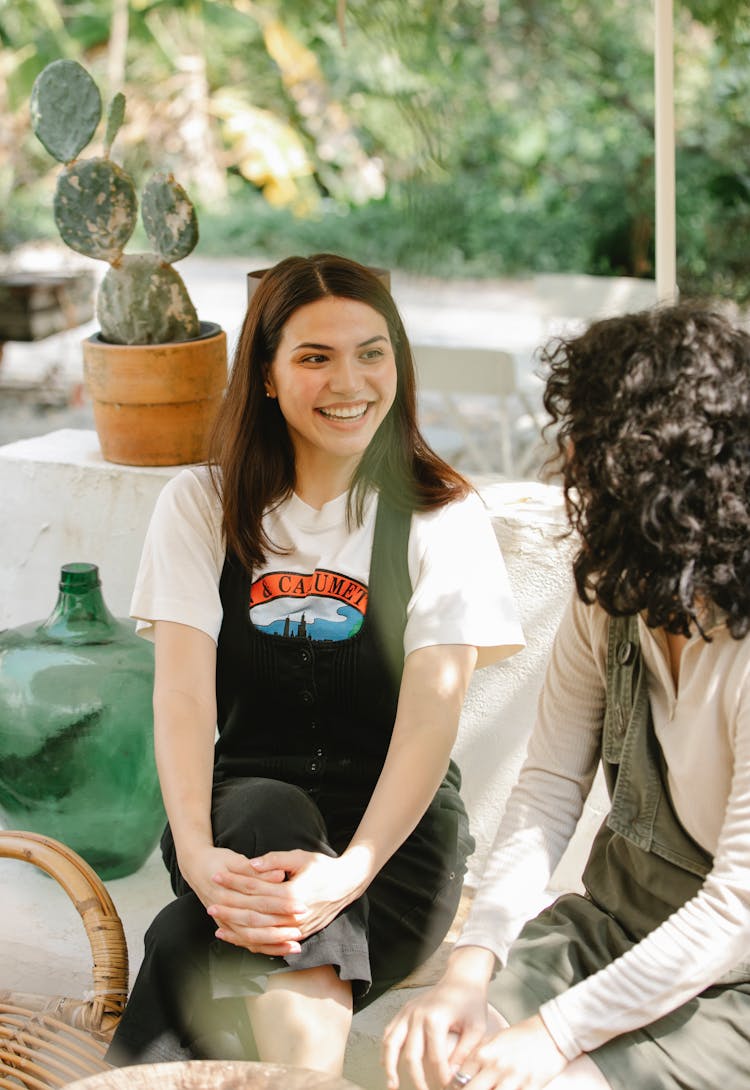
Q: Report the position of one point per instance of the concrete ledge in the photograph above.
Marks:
(62, 502)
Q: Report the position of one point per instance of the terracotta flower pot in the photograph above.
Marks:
(154, 404)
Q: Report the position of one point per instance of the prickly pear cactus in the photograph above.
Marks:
(66, 108)
(115, 118)
(95, 208)
(169, 217)
(142, 300)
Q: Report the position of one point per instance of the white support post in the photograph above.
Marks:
(666, 235)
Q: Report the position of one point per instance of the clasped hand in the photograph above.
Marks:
(448, 1030)
(269, 904)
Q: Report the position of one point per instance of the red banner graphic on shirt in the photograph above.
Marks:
(321, 583)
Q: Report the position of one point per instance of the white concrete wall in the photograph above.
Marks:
(531, 527)
(61, 502)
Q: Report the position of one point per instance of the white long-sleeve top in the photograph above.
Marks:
(703, 727)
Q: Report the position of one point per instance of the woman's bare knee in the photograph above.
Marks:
(318, 1004)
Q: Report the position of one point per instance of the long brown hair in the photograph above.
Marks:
(252, 459)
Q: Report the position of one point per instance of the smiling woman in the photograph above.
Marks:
(321, 592)
(334, 376)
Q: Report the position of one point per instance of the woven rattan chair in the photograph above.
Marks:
(49, 1041)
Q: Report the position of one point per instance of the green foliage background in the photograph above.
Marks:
(506, 137)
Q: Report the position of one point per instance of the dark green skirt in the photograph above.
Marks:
(702, 1045)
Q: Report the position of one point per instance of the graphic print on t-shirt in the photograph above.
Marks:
(322, 605)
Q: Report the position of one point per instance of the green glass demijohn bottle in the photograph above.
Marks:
(76, 730)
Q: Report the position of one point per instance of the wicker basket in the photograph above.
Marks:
(49, 1041)
(214, 1075)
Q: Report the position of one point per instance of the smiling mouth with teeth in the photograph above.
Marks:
(350, 413)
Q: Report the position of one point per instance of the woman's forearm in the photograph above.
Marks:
(472, 965)
(432, 693)
(407, 784)
(184, 729)
(184, 759)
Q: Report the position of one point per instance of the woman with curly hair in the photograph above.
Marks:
(644, 980)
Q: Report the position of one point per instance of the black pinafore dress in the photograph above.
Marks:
(318, 716)
(643, 866)
(304, 727)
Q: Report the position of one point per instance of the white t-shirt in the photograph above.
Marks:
(460, 588)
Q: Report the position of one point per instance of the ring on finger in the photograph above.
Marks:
(459, 1080)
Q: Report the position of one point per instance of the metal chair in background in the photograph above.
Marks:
(508, 441)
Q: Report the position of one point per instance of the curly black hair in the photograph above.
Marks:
(652, 419)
